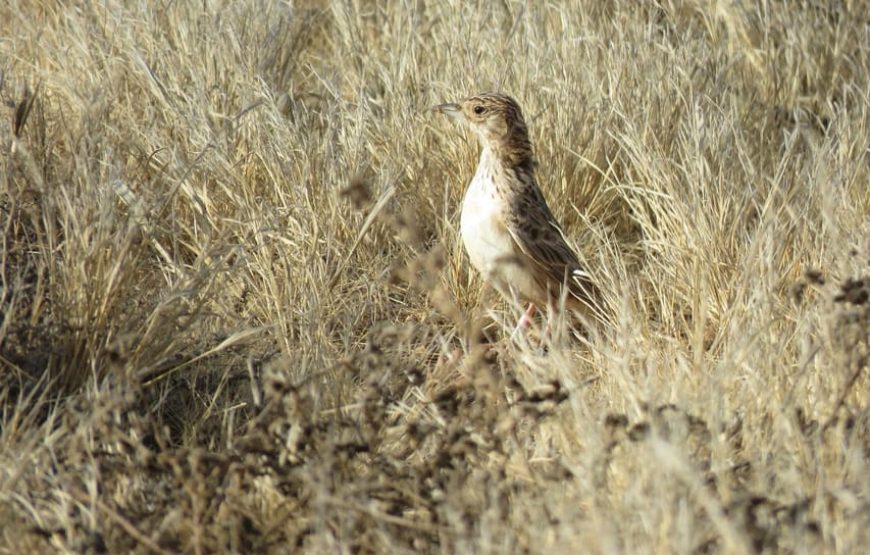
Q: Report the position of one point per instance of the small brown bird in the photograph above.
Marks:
(509, 232)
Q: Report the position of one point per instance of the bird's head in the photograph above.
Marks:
(496, 119)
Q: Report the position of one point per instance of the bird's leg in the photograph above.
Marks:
(552, 312)
(526, 319)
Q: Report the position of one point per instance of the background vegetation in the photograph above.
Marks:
(235, 316)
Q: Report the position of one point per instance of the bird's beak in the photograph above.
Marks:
(452, 109)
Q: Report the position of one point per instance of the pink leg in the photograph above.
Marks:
(526, 319)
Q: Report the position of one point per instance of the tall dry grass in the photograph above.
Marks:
(235, 316)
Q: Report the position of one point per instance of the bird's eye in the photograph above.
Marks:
(479, 109)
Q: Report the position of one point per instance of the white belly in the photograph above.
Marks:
(488, 242)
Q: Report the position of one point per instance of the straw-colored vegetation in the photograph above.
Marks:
(235, 315)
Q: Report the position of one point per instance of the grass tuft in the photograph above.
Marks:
(235, 315)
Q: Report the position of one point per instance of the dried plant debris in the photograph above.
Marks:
(236, 314)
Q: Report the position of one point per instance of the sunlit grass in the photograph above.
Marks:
(235, 314)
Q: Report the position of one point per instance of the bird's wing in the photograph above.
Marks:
(537, 234)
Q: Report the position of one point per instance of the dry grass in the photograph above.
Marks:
(235, 317)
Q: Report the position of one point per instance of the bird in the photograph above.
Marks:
(507, 228)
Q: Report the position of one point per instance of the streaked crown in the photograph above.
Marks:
(498, 122)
